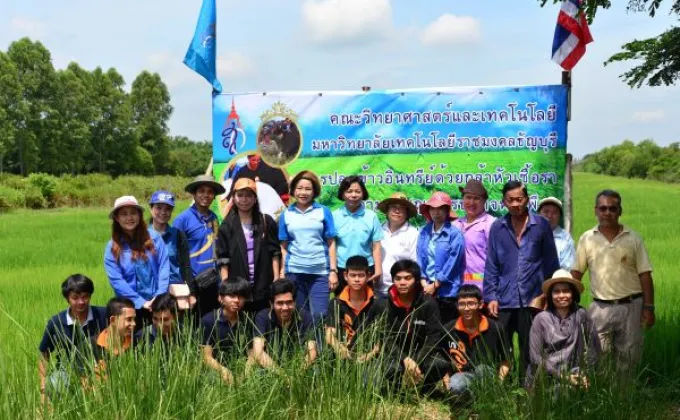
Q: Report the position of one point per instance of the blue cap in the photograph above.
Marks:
(162, 197)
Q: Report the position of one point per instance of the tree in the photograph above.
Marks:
(10, 101)
(151, 112)
(659, 55)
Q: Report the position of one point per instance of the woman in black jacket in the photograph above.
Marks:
(247, 244)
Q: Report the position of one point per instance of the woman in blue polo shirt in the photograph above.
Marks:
(307, 235)
(135, 259)
(359, 230)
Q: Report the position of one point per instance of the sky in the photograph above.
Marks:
(276, 45)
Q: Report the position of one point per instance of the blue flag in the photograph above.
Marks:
(200, 56)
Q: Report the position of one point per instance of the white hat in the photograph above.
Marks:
(125, 201)
(550, 200)
(562, 276)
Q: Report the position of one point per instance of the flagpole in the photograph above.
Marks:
(568, 202)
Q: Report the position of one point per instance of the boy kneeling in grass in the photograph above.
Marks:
(164, 328)
(227, 330)
(283, 329)
(472, 346)
(117, 337)
(69, 335)
(348, 315)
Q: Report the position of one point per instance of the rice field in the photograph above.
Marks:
(38, 249)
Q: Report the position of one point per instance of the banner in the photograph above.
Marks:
(414, 141)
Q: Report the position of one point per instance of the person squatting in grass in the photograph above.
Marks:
(68, 335)
(117, 337)
(199, 224)
(359, 231)
(162, 204)
(563, 342)
(348, 315)
(412, 328)
(283, 330)
(248, 244)
(307, 234)
(135, 259)
(227, 331)
(441, 254)
(164, 330)
(472, 348)
(620, 281)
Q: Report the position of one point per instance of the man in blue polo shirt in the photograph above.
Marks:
(200, 225)
(521, 254)
(68, 334)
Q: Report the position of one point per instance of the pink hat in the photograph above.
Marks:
(438, 199)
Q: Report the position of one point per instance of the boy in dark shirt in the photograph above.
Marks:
(164, 328)
(227, 330)
(281, 330)
(348, 314)
(69, 334)
(473, 346)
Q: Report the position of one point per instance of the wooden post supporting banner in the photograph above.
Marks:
(567, 206)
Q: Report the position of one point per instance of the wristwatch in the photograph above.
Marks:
(334, 270)
(648, 307)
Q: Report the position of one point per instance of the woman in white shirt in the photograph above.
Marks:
(399, 237)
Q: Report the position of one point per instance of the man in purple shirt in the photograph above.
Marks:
(475, 225)
(521, 255)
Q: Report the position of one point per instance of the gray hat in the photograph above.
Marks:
(204, 180)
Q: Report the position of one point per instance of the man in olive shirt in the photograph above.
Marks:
(620, 280)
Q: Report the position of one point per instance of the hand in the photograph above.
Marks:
(375, 277)
(648, 318)
(332, 280)
(430, 289)
(282, 274)
(368, 356)
(343, 353)
(227, 377)
(493, 308)
(446, 380)
(192, 301)
(147, 305)
(576, 379)
(412, 371)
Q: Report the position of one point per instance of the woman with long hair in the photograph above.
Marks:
(135, 259)
(248, 244)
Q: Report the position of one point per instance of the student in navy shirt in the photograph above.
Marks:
(164, 329)
(248, 244)
(307, 235)
(283, 329)
(227, 330)
(199, 224)
(69, 334)
(135, 259)
(521, 254)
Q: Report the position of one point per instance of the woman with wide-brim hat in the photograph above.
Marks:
(135, 259)
(441, 254)
(563, 340)
(248, 244)
(400, 238)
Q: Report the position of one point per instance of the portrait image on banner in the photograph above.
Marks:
(413, 141)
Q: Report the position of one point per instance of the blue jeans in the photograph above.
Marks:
(460, 382)
(311, 293)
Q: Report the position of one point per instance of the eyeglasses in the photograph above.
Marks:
(467, 305)
(612, 209)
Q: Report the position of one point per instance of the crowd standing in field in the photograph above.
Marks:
(448, 297)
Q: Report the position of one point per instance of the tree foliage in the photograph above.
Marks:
(646, 160)
(75, 121)
(658, 58)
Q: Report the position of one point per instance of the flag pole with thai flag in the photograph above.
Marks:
(201, 54)
(571, 35)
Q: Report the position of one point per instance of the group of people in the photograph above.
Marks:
(447, 298)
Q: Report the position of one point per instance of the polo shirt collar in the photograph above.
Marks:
(360, 211)
(624, 229)
(275, 321)
(200, 215)
(402, 229)
(344, 297)
(103, 341)
(70, 321)
(532, 219)
(480, 219)
(483, 326)
(293, 207)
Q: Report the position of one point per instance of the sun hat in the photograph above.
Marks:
(162, 197)
(550, 200)
(399, 198)
(562, 276)
(124, 201)
(438, 199)
(204, 180)
(475, 187)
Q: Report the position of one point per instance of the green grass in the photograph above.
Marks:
(38, 249)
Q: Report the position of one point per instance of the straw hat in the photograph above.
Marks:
(204, 180)
(125, 201)
(399, 198)
(562, 276)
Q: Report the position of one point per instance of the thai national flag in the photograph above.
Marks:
(571, 35)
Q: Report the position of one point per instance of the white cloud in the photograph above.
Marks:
(28, 27)
(337, 22)
(650, 116)
(450, 29)
(233, 65)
